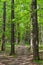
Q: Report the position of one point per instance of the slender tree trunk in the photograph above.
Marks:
(27, 34)
(12, 29)
(31, 38)
(4, 20)
(18, 34)
(35, 30)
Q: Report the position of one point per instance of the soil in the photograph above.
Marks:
(18, 60)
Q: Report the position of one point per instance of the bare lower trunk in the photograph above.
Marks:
(35, 30)
(31, 40)
(4, 20)
(12, 29)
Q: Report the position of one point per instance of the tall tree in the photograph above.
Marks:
(4, 20)
(12, 28)
(35, 30)
(18, 33)
(27, 33)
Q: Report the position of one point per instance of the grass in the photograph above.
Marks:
(8, 47)
(40, 62)
(41, 47)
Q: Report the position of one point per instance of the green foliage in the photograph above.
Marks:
(22, 15)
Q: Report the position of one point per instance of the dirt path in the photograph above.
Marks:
(19, 60)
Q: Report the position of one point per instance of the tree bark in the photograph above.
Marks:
(12, 29)
(18, 33)
(4, 20)
(35, 30)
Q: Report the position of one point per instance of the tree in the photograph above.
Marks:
(27, 33)
(4, 24)
(12, 28)
(18, 33)
(35, 30)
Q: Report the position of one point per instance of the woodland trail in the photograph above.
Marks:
(19, 60)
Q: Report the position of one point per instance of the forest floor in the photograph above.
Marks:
(22, 59)
(18, 60)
